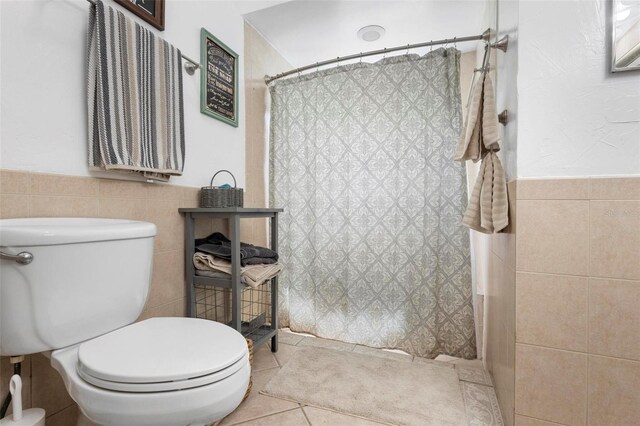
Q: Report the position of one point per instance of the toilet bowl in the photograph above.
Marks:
(77, 301)
(160, 371)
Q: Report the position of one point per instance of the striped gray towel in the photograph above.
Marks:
(136, 116)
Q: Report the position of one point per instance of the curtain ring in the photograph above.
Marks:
(455, 46)
(407, 48)
(384, 54)
(431, 46)
(360, 57)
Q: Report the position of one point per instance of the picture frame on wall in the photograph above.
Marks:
(218, 79)
(152, 11)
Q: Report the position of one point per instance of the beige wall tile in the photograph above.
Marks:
(62, 206)
(553, 189)
(122, 208)
(614, 398)
(614, 318)
(159, 191)
(14, 206)
(260, 59)
(177, 308)
(615, 188)
(14, 182)
(500, 335)
(122, 189)
(615, 239)
(551, 384)
(167, 283)
(504, 246)
(551, 310)
(78, 186)
(190, 197)
(47, 388)
(170, 223)
(529, 421)
(553, 236)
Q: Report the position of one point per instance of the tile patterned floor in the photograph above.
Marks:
(475, 384)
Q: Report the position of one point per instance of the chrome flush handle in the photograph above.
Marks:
(23, 258)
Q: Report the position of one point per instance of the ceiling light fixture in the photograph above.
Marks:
(371, 32)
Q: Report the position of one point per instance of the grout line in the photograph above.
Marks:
(535, 418)
(262, 417)
(47, 415)
(305, 415)
(579, 352)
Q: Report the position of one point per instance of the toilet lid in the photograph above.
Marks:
(162, 350)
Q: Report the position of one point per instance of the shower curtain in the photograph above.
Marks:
(371, 241)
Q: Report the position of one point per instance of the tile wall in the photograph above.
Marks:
(260, 59)
(500, 312)
(577, 351)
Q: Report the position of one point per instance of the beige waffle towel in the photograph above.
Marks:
(480, 132)
(252, 275)
(488, 206)
(487, 210)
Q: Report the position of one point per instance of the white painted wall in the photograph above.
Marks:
(575, 118)
(43, 79)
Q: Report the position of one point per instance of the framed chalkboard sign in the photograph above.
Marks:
(219, 79)
(151, 11)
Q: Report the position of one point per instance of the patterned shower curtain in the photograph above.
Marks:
(361, 159)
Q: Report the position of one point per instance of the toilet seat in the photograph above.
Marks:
(162, 354)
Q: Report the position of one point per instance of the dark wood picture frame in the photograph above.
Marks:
(218, 79)
(154, 15)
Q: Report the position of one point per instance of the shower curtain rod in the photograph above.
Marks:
(484, 36)
(191, 66)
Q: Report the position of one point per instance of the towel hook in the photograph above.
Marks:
(503, 117)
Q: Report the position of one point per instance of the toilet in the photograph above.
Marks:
(77, 299)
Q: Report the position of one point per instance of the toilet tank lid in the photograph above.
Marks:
(63, 230)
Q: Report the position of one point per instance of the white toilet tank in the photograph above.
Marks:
(87, 277)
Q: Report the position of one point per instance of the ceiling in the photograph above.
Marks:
(308, 31)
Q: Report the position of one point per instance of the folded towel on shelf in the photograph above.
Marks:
(135, 98)
(215, 274)
(218, 245)
(252, 275)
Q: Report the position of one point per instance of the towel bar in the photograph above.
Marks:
(190, 66)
